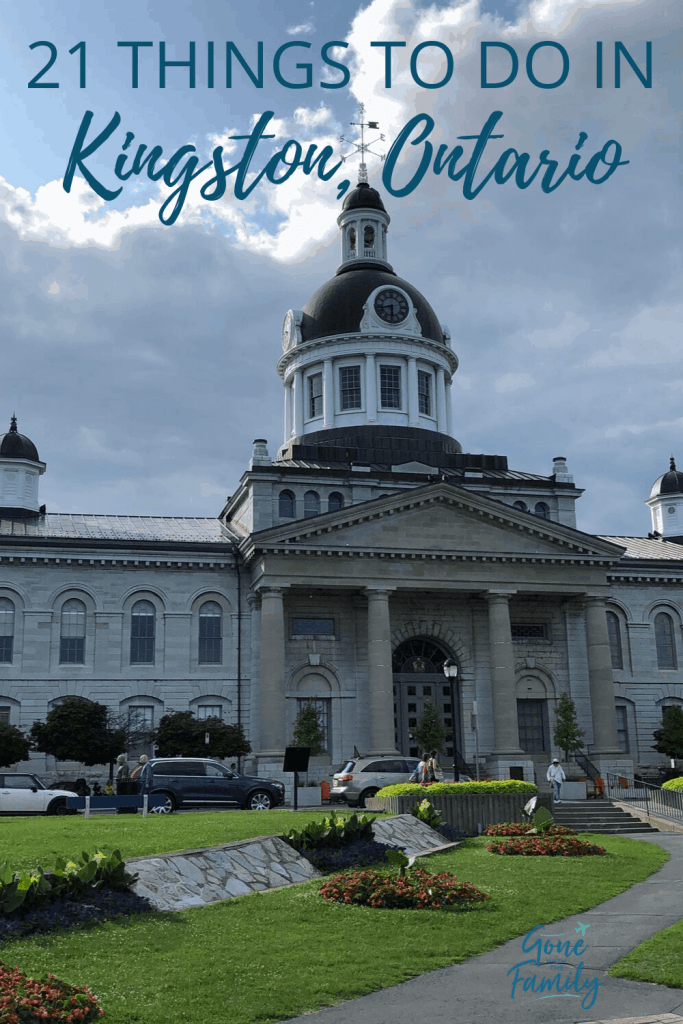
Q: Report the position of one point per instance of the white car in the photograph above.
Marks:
(22, 793)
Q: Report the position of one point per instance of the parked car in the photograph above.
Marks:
(25, 793)
(360, 779)
(200, 781)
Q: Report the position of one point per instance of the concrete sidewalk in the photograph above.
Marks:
(480, 990)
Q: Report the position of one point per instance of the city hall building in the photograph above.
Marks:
(350, 565)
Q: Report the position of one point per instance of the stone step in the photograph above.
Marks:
(601, 816)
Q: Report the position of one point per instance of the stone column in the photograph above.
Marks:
(413, 403)
(605, 739)
(449, 408)
(503, 687)
(370, 389)
(441, 419)
(298, 402)
(289, 419)
(380, 678)
(272, 674)
(328, 394)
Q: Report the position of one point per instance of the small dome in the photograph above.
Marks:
(16, 446)
(363, 196)
(668, 483)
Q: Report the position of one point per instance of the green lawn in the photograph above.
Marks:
(658, 960)
(25, 842)
(272, 955)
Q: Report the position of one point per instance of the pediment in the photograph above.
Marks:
(438, 519)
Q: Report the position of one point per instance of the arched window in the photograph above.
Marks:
(521, 506)
(210, 633)
(352, 241)
(541, 510)
(142, 622)
(286, 509)
(369, 237)
(72, 633)
(6, 629)
(311, 504)
(665, 641)
(335, 502)
(614, 634)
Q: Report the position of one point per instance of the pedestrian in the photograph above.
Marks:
(424, 769)
(556, 776)
(124, 785)
(433, 766)
(146, 774)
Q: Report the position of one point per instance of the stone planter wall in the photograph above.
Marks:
(467, 811)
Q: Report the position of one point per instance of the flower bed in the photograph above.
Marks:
(418, 890)
(540, 846)
(523, 828)
(501, 788)
(336, 843)
(23, 1000)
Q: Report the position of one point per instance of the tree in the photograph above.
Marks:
(308, 730)
(568, 737)
(669, 739)
(429, 731)
(181, 734)
(80, 730)
(14, 746)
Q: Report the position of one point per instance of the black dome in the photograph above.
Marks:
(337, 307)
(363, 195)
(668, 483)
(16, 446)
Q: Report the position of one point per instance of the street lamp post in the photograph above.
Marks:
(450, 670)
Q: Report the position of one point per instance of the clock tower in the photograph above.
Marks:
(367, 367)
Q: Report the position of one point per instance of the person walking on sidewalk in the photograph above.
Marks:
(556, 776)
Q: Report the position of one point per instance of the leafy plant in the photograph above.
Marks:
(546, 846)
(426, 813)
(674, 784)
(308, 730)
(331, 831)
(429, 731)
(459, 788)
(399, 860)
(14, 746)
(23, 999)
(669, 739)
(567, 735)
(182, 734)
(419, 890)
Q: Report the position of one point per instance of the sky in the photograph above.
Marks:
(140, 356)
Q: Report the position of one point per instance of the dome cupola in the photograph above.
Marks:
(20, 470)
(666, 504)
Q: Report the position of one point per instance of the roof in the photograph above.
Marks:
(668, 483)
(74, 526)
(363, 196)
(645, 548)
(14, 445)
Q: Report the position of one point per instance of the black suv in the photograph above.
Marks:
(197, 780)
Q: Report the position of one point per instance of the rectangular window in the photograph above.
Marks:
(6, 648)
(142, 640)
(349, 387)
(209, 711)
(4, 715)
(323, 627)
(72, 650)
(390, 387)
(529, 632)
(141, 719)
(424, 392)
(530, 720)
(322, 706)
(210, 640)
(315, 395)
(622, 728)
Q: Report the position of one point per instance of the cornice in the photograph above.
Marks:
(364, 339)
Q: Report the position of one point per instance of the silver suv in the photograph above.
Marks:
(362, 778)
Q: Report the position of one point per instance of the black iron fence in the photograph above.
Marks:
(666, 803)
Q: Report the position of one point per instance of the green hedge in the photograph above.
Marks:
(671, 784)
(459, 788)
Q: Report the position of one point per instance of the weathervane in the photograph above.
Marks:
(362, 147)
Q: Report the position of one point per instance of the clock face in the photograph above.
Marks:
(287, 329)
(391, 306)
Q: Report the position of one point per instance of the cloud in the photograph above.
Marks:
(301, 30)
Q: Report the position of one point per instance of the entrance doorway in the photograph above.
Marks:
(419, 680)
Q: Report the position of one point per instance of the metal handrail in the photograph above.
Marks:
(588, 766)
(666, 803)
